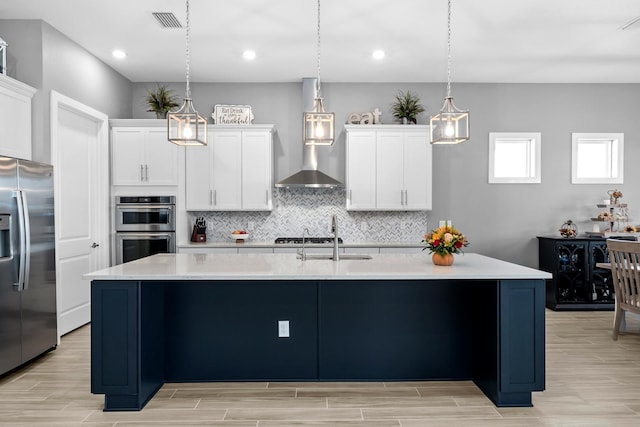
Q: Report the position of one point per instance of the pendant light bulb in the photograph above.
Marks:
(319, 131)
(449, 129)
(188, 132)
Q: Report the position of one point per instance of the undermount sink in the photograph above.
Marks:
(341, 257)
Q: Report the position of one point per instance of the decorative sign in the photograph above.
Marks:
(365, 118)
(232, 115)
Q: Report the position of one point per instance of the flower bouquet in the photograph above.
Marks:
(443, 242)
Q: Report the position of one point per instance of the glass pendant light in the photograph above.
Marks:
(318, 124)
(185, 126)
(450, 125)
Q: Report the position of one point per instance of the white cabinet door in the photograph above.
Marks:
(417, 172)
(15, 110)
(227, 170)
(161, 158)
(390, 171)
(199, 177)
(234, 172)
(257, 173)
(388, 167)
(142, 155)
(361, 170)
(127, 156)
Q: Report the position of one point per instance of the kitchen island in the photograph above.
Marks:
(272, 317)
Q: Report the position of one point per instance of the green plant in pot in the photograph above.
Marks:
(160, 101)
(406, 107)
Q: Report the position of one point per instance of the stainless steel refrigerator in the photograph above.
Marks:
(28, 323)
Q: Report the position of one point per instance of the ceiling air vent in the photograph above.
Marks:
(167, 19)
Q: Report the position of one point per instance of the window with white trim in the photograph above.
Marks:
(514, 157)
(597, 158)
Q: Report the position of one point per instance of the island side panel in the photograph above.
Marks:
(394, 330)
(127, 329)
(522, 326)
(508, 340)
(228, 330)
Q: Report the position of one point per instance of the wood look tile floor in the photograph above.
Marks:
(591, 381)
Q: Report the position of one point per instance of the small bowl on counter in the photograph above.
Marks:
(240, 237)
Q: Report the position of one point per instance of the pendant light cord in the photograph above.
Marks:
(449, 49)
(188, 94)
(318, 95)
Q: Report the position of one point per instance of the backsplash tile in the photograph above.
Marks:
(295, 209)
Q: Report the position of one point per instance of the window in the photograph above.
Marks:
(514, 157)
(597, 158)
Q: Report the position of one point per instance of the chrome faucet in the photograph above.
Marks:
(302, 254)
(334, 230)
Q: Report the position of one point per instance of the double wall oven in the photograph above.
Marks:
(144, 225)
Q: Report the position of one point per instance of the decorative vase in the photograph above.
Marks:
(161, 115)
(438, 259)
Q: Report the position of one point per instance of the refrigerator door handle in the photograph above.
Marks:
(27, 239)
(21, 239)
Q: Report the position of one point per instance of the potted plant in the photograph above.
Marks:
(406, 107)
(160, 101)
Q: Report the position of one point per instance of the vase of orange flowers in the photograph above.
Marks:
(443, 242)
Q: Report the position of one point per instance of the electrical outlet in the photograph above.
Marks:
(283, 329)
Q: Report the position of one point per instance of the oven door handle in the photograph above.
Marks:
(144, 207)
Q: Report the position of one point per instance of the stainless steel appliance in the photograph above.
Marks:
(299, 240)
(145, 225)
(28, 319)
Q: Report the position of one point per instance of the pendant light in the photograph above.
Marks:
(450, 125)
(318, 124)
(185, 126)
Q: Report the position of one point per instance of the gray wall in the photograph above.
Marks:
(501, 220)
(42, 57)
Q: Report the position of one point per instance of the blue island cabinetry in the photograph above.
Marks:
(148, 332)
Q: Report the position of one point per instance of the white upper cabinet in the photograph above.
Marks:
(234, 172)
(15, 110)
(361, 170)
(141, 153)
(388, 167)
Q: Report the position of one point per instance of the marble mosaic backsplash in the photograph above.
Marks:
(295, 209)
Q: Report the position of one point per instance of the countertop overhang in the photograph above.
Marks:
(271, 244)
(252, 266)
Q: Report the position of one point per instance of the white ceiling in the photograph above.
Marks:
(492, 40)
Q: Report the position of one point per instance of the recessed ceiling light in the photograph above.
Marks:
(378, 54)
(120, 54)
(249, 54)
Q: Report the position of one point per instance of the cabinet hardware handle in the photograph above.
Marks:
(141, 172)
(350, 198)
(146, 173)
(95, 245)
(266, 195)
(210, 197)
(215, 197)
(406, 198)
(401, 197)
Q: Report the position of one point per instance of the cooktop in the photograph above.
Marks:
(298, 240)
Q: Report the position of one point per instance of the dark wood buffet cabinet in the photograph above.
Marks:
(577, 283)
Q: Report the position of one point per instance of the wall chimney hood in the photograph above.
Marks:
(309, 176)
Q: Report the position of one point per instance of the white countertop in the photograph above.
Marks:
(287, 267)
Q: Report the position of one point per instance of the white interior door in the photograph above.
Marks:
(79, 151)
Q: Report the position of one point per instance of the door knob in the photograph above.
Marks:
(95, 245)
